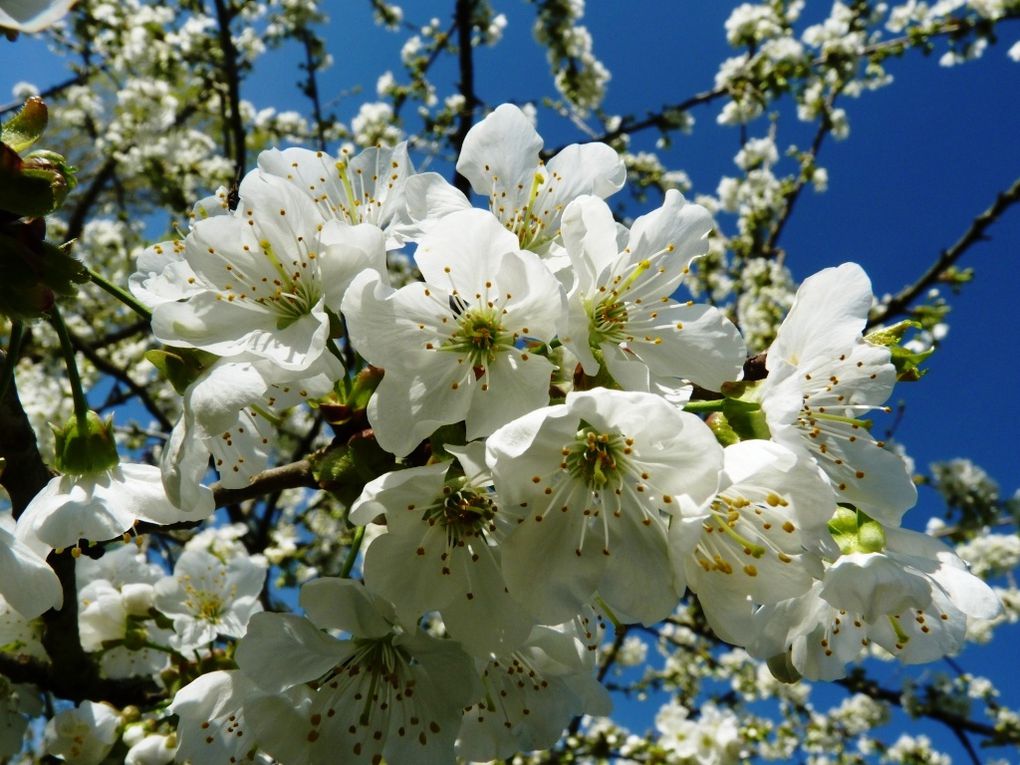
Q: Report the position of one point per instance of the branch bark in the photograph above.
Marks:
(232, 74)
(465, 54)
(901, 301)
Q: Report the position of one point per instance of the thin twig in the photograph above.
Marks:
(466, 60)
(291, 476)
(311, 86)
(224, 16)
(53, 90)
(901, 301)
(824, 128)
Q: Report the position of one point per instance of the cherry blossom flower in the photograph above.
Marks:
(27, 582)
(823, 378)
(32, 15)
(207, 597)
(621, 305)
(212, 726)
(752, 547)
(384, 692)
(595, 482)
(20, 637)
(270, 274)
(83, 735)
(452, 346)
(154, 749)
(913, 598)
(713, 738)
(500, 157)
(532, 694)
(366, 188)
(440, 552)
(101, 505)
(228, 415)
(115, 598)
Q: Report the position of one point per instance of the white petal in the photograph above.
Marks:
(828, 314)
(27, 582)
(499, 152)
(283, 650)
(344, 604)
(547, 549)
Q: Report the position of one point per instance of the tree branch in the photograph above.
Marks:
(860, 684)
(224, 16)
(902, 300)
(25, 473)
(291, 476)
(660, 119)
(465, 54)
(53, 90)
(311, 85)
(824, 128)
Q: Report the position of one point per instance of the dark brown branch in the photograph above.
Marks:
(269, 510)
(464, 20)
(441, 42)
(76, 223)
(118, 335)
(53, 90)
(232, 74)
(664, 119)
(824, 128)
(901, 301)
(24, 473)
(120, 693)
(311, 86)
(295, 475)
(860, 684)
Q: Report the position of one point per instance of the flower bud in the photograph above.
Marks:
(137, 598)
(86, 446)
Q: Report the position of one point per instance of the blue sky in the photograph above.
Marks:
(924, 156)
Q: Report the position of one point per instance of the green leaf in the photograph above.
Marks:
(27, 126)
(907, 363)
(181, 366)
(24, 194)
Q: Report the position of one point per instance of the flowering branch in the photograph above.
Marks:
(901, 301)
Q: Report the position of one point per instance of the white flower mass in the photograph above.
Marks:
(484, 430)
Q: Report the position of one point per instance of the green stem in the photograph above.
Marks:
(352, 554)
(11, 360)
(81, 406)
(122, 295)
(609, 612)
(178, 657)
(266, 414)
(331, 347)
(698, 407)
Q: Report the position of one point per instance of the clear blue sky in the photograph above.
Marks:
(924, 156)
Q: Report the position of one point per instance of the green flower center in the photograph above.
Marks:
(294, 296)
(464, 512)
(607, 320)
(479, 336)
(598, 459)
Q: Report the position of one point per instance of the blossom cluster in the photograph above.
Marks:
(571, 440)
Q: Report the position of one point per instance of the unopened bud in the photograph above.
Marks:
(86, 446)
